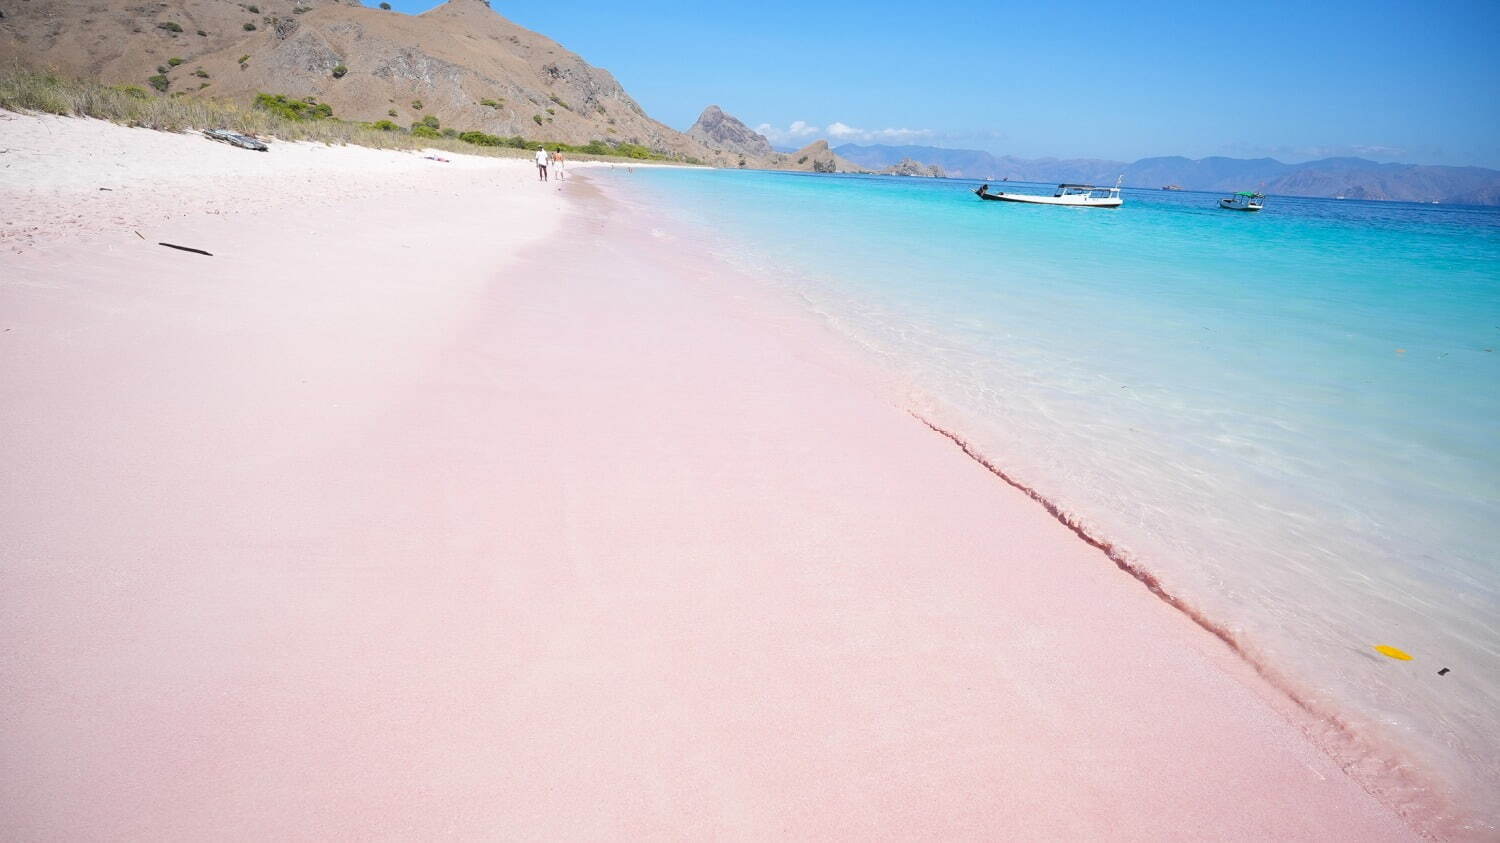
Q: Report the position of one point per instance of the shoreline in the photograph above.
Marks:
(571, 532)
(1380, 753)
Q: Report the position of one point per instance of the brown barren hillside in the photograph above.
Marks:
(123, 42)
(460, 62)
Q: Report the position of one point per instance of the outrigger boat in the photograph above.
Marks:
(1243, 201)
(1081, 195)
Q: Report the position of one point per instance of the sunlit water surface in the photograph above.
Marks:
(1291, 418)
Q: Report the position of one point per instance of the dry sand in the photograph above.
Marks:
(440, 502)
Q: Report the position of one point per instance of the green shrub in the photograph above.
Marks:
(385, 6)
(254, 10)
(173, 62)
(43, 92)
(163, 69)
(431, 122)
(559, 101)
(301, 10)
(551, 111)
(633, 150)
(202, 33)
(417, 104)
(391, 112)
(201, 73)
(291, 109)
(47, 93)
(480, 139)
(422, 130)
(160, 82)
(339, 71)
(492, 103)
(245, 59)
(170, 26)
(249, 27)
(537, 118)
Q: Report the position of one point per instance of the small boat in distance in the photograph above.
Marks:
(1243, 201)
(1079, 195)
(1172, 187)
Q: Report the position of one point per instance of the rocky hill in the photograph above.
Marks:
(717, 129)
(733, 144)
(816, 157)
(460, 62)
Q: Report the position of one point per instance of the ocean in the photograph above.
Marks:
(1290, 419)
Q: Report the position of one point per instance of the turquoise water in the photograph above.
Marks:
(1291, 418)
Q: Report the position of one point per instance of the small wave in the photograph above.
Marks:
(1380, 770)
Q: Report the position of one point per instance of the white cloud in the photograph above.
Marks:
(801, 130)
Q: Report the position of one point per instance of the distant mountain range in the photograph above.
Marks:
(1355, 178)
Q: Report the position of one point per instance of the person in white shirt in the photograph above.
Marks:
(541, 164)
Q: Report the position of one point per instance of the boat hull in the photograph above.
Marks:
(1228, 206)
(1071, 201)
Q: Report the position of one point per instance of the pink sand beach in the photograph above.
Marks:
(438, 501)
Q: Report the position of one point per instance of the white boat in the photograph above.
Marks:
(1243, 201)
(1078, 195)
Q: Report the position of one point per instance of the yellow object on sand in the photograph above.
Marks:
(1393, 652)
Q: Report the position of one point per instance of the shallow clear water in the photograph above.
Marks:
(1291, 418)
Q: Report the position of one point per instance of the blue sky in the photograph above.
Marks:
(1393, 81)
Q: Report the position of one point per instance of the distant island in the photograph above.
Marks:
(1354, 178)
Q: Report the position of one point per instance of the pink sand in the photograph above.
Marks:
(460, 506)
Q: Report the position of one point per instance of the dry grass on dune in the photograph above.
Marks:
(23, 90)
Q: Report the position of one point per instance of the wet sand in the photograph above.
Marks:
(441, 503)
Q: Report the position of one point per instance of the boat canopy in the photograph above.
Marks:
(1249, 194)
(1082, 187)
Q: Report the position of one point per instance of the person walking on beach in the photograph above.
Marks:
(557, 164)
(541, 164)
